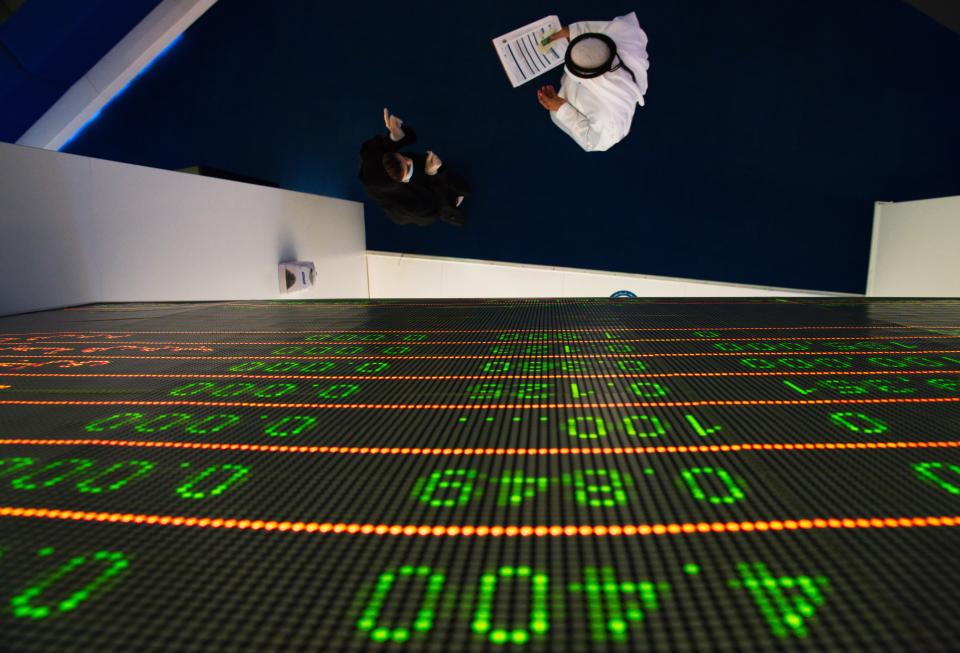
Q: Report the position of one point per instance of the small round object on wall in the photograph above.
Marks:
(622, 293)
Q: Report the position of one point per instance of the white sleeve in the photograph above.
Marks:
(584, 26)
(578, 126)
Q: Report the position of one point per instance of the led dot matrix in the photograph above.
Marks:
(543, 475)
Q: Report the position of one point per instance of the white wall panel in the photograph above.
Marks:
(77, 230)
(401, 275)
(916, 249)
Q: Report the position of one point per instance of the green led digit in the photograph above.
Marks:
(115, 422)
(422, 623)
(508, 337)
(486, 391)
(515, 487)
(396, 350)
(237, 474)
(598, 488)
(727, 346)
(535, 367)
(339, 391)
(533, 391)
(248, 366)
(138, 469)
(299, 350)
(843, 387)
(858, 422)
(314, 367)
(834, 363)
(74, 466)
(539, 622)
(733, 492)
(281, 428)
(655, 424)
(596, 428)
(233, 389)
(192, 389)
(631, 365)
(347, 351)
(795, 363)
(785, 617)
(620, 348)
(927, 472)
(572, 366)
(27, 603)
(371, 367)
(706, 334)
(758, 363)
(923, 361)
(459, 480)
(950, 385)
(702, 431)
(11, 465)
(282, 366)
(212, 423)
(655, 389)
(274, 390)
(610, 617)
(883, 361)
(162, 422)
(414, 337)
(891, 385)
(803, 391)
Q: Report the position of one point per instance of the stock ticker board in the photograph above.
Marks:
(541, 475)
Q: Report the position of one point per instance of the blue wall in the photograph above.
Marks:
(47, 45)
(769, 131)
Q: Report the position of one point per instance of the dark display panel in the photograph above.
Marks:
(543, 475)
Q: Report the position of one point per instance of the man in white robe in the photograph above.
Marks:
(596, 112)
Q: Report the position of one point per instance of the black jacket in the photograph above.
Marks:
(424, 199)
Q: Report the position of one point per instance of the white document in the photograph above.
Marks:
(523, 57)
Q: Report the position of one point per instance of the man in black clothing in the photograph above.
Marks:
(410, 188)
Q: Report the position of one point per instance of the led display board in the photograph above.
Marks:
(541, 475)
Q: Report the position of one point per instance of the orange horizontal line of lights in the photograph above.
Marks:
(629, 530)
(470, 377)
(750, 354)
(369, 343)
(510, 330)
(618, 404)
(486, 451)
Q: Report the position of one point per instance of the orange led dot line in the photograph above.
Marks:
(618, 404)
(570, 330)
(631, 530)
(470, 377)
(367, 343)
(751, 354)
(485, 451)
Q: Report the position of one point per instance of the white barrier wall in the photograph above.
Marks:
(916, 249)
(75, 230)
(395, 276)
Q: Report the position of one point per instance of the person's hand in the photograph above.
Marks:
(563, 33)
(394, 125)
(433, 163)
(549, 99)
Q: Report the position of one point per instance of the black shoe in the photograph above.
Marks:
(454, 218)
